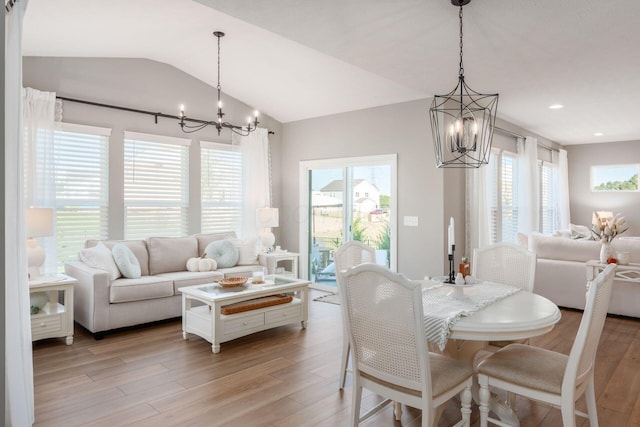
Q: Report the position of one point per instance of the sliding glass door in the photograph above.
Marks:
(346, 199)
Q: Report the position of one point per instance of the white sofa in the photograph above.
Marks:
(101, 304)
(561, 272)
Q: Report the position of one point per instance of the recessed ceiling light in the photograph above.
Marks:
(556, 106)
(598, 134)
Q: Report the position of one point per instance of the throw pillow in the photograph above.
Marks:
(100, 257)
(247, 250)
(224, 252)
(580, 232)
(126, 261)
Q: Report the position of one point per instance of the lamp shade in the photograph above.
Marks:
(39, 222)
(267, 217)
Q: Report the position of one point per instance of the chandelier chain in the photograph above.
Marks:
(219, 87)
(461, 73)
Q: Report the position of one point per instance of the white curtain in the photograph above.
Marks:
(18, 356)
(561, 187)
(256, 178)
(39, 109)
(478, 215)
(528, 186)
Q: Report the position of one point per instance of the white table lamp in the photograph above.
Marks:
(39, 222)
(267, 218)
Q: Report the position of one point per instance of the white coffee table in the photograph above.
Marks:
(208, 322)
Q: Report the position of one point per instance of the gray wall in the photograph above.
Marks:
(583, 200)
(400, 128)
(146, 85)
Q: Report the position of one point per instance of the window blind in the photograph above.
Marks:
(221, 187)
(509, 186)
(81, 164)
(156, 185)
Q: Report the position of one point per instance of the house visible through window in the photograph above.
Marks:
(156, 185)
(81, 159)
(221, 187)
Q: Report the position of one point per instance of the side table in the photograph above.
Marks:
(55, 319)
(288, 256)
(625, 272)
(279, 256)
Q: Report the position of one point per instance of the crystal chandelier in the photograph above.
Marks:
(252, 123)
(462, 121)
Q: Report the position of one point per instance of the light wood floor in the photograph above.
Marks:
(150, 376)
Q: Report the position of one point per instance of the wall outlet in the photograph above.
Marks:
(411, 221)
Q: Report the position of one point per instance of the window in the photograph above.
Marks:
(156, 185)
(548, 212)
(615, 178)
(81, 180)
(503, 196)
(221, 186)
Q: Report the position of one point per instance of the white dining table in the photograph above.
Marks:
(522, 315)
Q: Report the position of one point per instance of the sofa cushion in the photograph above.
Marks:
(138, 247)
(629, 244)
(247, 251)
(191, 278)
(205, 239)
(224, 252)
(559, 248)
(100, 257)
(126, 261)
(167, 254)
(146, 287)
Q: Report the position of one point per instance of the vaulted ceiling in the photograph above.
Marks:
(299, 59)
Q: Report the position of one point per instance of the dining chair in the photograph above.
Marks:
(385, 322)
(348, 255)
(509, 264)
(546, 375)
(505, 263)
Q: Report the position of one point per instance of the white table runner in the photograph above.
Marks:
(444, 305)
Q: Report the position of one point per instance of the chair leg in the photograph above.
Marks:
(485, 396)
(397, 411)
(344, 363)
(355, 402)
(590, 397)
(465, 410)
(568, 410)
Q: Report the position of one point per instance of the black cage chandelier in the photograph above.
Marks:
(252, 123)
(462, 121)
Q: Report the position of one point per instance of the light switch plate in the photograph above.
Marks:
(411, 221)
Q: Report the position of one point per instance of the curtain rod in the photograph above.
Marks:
(508, 132)
(149, 113)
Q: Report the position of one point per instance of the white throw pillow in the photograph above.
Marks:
(247, 250)
(580, 232)
(126, 261)
(100, 257)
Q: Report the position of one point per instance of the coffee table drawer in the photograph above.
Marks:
(242, 322)
(284, 314)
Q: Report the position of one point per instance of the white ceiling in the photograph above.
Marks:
(299, 59)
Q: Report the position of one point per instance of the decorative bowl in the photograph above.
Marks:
(232, 282)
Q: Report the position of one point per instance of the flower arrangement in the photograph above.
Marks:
(606, 229)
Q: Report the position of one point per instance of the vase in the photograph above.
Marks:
(605, 252)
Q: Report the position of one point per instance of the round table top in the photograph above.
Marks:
(518, 316)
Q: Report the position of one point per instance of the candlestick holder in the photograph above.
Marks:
(452, 272)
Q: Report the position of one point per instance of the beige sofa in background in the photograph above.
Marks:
(561, 272)
(101, 304)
